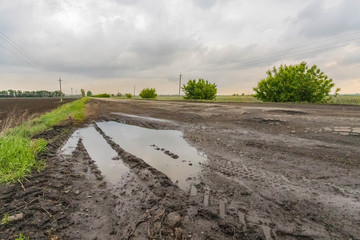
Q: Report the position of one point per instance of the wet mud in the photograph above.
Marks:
(270, 171)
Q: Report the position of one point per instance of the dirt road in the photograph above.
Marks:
(273, 171)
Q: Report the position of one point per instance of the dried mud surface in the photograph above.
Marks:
(274, 171)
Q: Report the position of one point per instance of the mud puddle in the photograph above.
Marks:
(99, 150)
(165, 150)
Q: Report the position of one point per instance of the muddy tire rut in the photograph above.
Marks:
(273, 172)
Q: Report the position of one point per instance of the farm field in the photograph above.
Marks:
(14, 110)
(257, 171)
(341, 99)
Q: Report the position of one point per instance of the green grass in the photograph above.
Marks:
(5, 219)
(347, 99)
(22, 237)
(18, 151)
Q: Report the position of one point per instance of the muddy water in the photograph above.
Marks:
(99, 151)
(165, 150)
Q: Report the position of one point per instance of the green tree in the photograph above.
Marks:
(128, 95)
(202, 89)
(295, 83)
(148, 93)
(11, 93)
(89, 93)
(82, 92)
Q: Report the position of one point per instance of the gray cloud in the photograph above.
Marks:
(352, 58)
(317, 20)
(229, 42)
(205, 4)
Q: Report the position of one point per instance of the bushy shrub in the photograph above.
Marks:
(148, 93)
(295, 83)
(102, 95)
(89, 94)
(128, 95)
(200, 90)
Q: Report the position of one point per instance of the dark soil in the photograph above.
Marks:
(274, 171)
(27, 107)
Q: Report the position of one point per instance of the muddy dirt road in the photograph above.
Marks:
(264, 171)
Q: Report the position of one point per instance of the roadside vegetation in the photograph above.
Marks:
(202, 89)
(18, 149)
(148, 93)
(295, 83)
(128, 95)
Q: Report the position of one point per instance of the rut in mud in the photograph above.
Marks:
(157, 148)
(257, 171)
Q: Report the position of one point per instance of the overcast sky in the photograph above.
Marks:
(110, 46)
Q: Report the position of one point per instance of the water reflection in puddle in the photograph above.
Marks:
(99, 151)
(143, 142)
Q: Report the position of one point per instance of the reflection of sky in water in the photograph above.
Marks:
(99, 150)
(137, 141)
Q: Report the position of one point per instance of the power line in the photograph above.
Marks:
(21, 58)
(289, 53)
(298, 53)
(294, 51)
(22, 51)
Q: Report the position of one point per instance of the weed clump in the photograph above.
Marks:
(5, 219)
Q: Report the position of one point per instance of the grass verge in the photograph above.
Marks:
(18, 151)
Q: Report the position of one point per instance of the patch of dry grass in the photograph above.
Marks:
(15, 117)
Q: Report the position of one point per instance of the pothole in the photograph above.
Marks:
(165, 150)
(99, 151)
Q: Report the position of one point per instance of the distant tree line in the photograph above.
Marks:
(39, 93)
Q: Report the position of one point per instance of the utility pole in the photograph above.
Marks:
(71, 92)
(179, 84)
(60, 89)
(134, 90)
